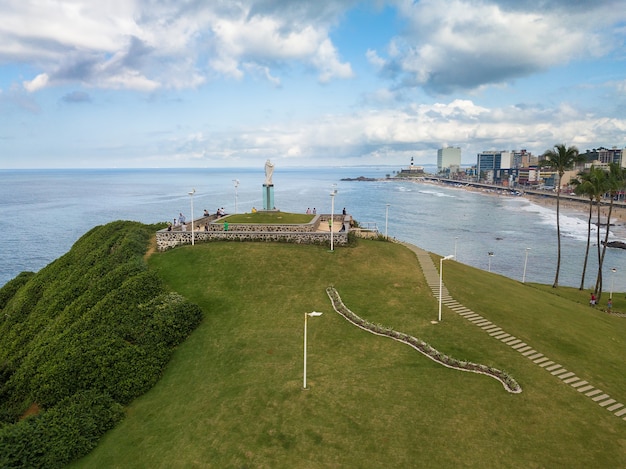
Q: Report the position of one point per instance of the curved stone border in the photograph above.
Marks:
(568, 377)
(507, 381)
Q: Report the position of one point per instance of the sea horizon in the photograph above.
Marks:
(50, 209)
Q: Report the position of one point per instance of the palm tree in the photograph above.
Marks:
(590, 183)
(561, 159)
(614, 184)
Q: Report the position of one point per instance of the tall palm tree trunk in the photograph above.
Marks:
(606, 240)
(598, 289)
(582, 278)
(558, 234)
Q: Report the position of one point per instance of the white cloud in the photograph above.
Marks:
(416, 129)
(464, 44)
(37, 83)
(147, 44)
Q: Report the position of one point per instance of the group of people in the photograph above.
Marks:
(593, 301)
(308, 211)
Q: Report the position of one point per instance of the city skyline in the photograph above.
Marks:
(230, 84)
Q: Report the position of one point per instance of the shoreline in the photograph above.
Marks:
(580, 207)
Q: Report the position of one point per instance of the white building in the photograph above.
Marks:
(448, 157)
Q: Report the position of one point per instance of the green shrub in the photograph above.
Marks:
(93, 323)
(55, 437)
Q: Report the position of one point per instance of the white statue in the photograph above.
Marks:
(269, 170)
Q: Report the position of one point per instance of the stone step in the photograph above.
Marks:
(579, 384)
(619, 413)
(607, 402)
(585, 388)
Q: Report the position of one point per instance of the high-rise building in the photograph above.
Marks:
(605, 155)
(494, 165)
(448, 157)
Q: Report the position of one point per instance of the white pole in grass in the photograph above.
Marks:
(525, 263)
(236, 181)
(332, 216)
(612, 281)
(441, 280)
(193, 191)
(306, 316)
(386, 219)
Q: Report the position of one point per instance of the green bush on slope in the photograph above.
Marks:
(94, 326)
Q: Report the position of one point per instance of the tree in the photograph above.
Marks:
(560, 159)
(615, 182)
(592, 184)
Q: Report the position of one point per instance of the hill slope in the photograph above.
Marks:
(232, 395)
(84, 336)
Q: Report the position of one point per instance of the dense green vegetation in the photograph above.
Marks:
(261, 218)
(232, 395)
(78, 341)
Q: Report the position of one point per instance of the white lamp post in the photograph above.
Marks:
(456, 238)
(386, 219)
(490, 256)
(612, 281)
(441, 280)
(306, 316)
(236, 181)
(193, 191)
(525, 263)
(332, 216)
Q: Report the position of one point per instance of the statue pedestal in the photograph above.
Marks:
(268, 196)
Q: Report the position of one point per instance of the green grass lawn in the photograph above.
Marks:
(285, 218)
(232, 395)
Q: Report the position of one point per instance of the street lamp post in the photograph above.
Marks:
(612, 281)
(193, 191)
(490, 256)
(306, 316)
(236, 181)
(441, 280)
(332, 216)
(386, 219)
(525, 263)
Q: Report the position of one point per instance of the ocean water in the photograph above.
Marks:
(46, 211)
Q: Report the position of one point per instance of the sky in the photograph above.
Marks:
(232, 83)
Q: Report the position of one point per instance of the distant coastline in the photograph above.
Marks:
(539, 197)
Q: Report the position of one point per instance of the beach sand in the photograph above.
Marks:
(618, 213)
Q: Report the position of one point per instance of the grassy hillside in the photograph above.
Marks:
(232, 394)
(80, 339)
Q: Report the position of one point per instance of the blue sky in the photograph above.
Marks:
(229, 83)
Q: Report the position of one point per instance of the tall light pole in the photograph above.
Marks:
(386, 219)
(525, 263)
(236, 181)
(490, 256)
(441, 280)
(306, 316)
(456, 238)
(612, 281)
(332, 216)
(193, 191)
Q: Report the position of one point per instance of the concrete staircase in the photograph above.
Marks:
(497, 333)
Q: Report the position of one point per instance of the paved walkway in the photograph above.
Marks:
(568, 377)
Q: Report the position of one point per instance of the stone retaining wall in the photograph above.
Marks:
(299, 234)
